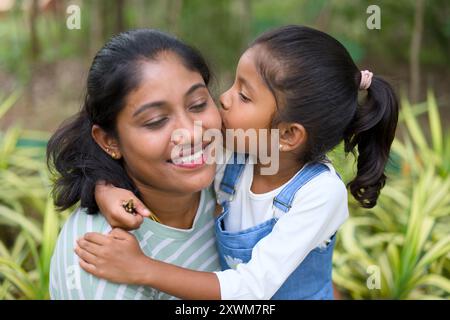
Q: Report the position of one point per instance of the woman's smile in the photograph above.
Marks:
(192, 157)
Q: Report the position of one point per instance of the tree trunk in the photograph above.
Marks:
(34, 39)
(119, 24)
(105, 12)
(144, 17)
(174, 8)
(246, 21)
(416, 42)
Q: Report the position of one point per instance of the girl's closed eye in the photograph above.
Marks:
(244, 98)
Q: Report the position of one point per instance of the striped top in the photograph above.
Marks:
(193, 248)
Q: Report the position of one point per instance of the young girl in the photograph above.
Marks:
(276, 233)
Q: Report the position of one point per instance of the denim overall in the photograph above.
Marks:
(312, 278)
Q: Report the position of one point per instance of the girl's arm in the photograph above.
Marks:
(110, 199)
(180, 282)
(118, 258)
(319, 209)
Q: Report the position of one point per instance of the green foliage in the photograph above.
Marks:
(406, 234)
(29, 225)
(221, 29)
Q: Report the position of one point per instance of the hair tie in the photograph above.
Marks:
(366, 80)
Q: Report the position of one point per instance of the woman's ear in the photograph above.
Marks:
(106, 142)
(292, 136)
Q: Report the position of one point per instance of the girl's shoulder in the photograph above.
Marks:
(327, 179)
(325, 187)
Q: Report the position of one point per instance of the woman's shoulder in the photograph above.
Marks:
(80, 222)
(208, 202)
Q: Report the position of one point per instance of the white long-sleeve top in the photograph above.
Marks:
(319, 209)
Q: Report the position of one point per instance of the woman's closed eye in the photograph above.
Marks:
(156, 123)
(198, 107)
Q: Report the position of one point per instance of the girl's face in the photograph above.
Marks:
(248, 104)
(170, 97)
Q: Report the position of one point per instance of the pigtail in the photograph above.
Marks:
(372, 131)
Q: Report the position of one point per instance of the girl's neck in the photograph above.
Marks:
(172, 209)
(288, 167)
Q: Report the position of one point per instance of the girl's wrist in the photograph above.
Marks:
(144, 273)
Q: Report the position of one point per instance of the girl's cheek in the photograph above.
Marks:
(242, 119)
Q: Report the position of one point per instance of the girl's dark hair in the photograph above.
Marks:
(315, 83)
(72, 154)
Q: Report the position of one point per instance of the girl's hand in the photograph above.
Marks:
(110, 199)
(116, 257)
(218, 211)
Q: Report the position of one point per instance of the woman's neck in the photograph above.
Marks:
(172, 209)
(288, 167)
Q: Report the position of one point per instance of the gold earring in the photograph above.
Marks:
(114, 155)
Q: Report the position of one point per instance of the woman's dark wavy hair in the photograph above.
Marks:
(73, 156)
(316, 82)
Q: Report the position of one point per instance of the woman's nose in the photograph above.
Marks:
(188, 131)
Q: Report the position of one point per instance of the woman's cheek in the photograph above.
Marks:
(211, 119)
(149, 145)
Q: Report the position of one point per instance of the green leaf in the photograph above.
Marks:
(21, 221)
(435, 123)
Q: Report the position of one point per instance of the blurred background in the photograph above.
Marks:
(398, 250)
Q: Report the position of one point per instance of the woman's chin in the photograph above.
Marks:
(192, 178)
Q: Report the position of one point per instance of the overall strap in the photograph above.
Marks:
(284, 199)
(233, 171)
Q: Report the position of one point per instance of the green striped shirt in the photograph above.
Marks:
(193, 248)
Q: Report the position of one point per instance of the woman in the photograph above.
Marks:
(142, 86)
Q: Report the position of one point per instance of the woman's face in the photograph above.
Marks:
(169, 97)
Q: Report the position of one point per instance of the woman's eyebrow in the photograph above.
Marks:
(156, 104)
(159, 104)
(194, 87)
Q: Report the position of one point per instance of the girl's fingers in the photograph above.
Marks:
(139, 219)
(141, 209)
(90, 247)
(127, 220)
(85, 255)
(87, 267)
(120, 234)
(97, 238)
